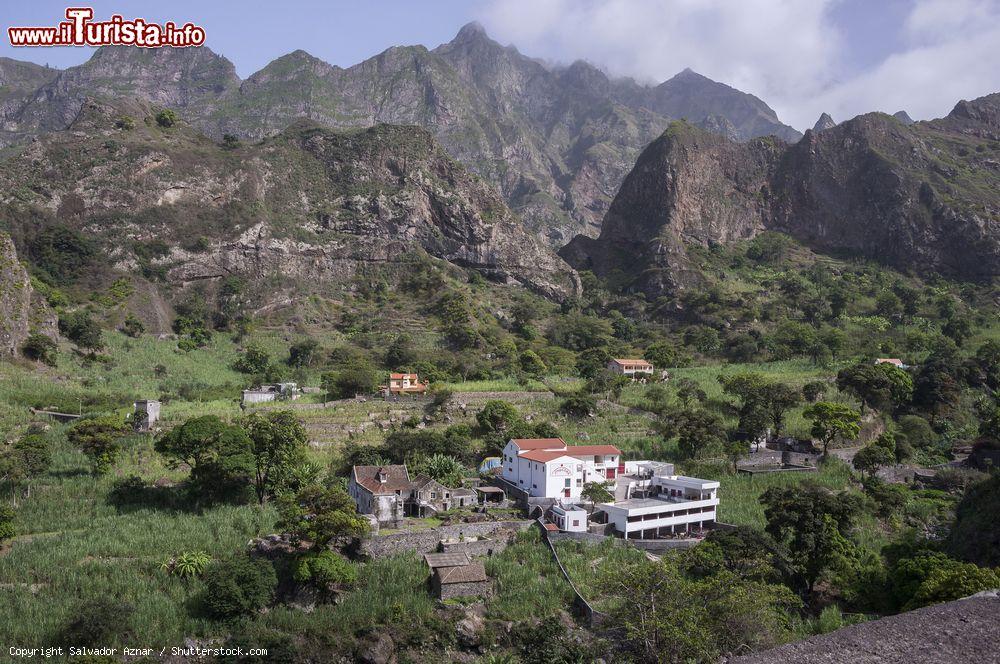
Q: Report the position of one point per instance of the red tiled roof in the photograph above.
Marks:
(401, 376)
(542, 456)
(576, 450)
(551, 527)
(397, 479)
(629, 361)
(539, 443)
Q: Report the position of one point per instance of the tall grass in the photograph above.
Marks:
(528, 583)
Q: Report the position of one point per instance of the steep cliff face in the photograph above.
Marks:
(688, 187)
(22, 311)
(920, 198)
(555, 142)
(311, 203)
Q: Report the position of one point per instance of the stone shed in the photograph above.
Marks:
(461, 581)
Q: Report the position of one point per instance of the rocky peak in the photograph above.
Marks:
(824, 122)
(903, 117)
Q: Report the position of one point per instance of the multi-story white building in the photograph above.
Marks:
(548, 468)
(663, 504)
(649, 499)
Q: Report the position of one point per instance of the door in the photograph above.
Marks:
(566, 493)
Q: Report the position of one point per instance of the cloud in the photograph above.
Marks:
(790, 53)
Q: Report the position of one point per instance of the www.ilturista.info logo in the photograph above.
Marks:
(80, 30)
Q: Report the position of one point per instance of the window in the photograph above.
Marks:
(579, 482)
(576, 522)
(568, 484)
(534, 486)
(433, 495)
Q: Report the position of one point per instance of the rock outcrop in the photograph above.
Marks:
(824, 122)
(22, 311)
(920, 198)
(903, 117)
(311, 204)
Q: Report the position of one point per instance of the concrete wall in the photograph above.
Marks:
(426, 541)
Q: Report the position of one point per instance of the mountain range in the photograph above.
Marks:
(555, 141)
(472, 153)
(920, 197)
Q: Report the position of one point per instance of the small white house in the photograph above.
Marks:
(632, 368)
(569, 518)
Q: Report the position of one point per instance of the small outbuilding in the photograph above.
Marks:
(460, 581)
(146, 413)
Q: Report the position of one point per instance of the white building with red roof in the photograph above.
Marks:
(631, 367)
(405, 383)
(549, 468)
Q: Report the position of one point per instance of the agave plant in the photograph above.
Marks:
(188, 564)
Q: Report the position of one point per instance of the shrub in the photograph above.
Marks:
(96, 622)
(82, 330)
(7, 530)
(125, 122)
(132, 326)
(100, 438)
(166, 118)
(188, 564)
(324, 568)
(239, 586)
(578, 405)
(253, 360)
(40, 348)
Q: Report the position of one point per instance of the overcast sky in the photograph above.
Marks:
(802, 57)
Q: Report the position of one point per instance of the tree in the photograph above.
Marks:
(813, 390)
(220, 455)
(596, 492)
(689, 391)
(82, 330)
(319, 515)
(578, 405)
(239, 586)
(302, 353)
(880, 386)
(253, 360)
(531, 364)
(591, 362)
(698, 432)
(663, 616)
(879, 453)
(401, 353)
(278, 441)
(661, 355)
(230, 141)
(975, 535)
(166, 118)
(498, 417)
(132, 326)
(32, 457)
(40, 348)
(100, 438)
(833, 421)
(779, 399)
(812, 522)
(736, 449)
(357, 377)
(442, 468)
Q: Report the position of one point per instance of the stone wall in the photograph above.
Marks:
(426, 541)
(468, 589)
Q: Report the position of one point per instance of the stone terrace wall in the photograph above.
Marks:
(426, 541)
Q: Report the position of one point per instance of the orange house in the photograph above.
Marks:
(406, 383)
